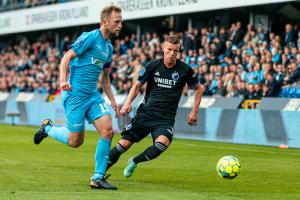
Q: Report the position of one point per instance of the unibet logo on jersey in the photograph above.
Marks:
(165, 83)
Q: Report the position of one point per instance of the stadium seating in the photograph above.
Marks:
(290, 92)
(6, 5)
(253, 66)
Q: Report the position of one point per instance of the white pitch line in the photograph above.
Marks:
(238, 149)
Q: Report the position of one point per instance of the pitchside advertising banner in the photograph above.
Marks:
(262, 127)
(87, 12)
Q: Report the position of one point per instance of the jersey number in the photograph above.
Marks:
(103, 108)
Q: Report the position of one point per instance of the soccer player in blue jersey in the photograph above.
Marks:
(89, 55)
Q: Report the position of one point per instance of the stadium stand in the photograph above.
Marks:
(234, 62)
(7, 5)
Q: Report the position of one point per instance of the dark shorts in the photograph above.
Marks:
(135, 131)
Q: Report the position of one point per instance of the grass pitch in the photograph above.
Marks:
(187, 170)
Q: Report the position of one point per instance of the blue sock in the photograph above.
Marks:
(101, 157)
(60, 134)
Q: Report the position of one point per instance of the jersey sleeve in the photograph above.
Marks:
(192, 78)
(83, 43)
(145, 73)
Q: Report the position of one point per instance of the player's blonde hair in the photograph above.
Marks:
(106, 11)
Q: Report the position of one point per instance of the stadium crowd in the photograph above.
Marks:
(233, 62)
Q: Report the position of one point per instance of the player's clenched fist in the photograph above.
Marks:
(125, 109)
(65, 86)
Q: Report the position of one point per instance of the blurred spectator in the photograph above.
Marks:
(274, 86)
(293, 74)
(220, 90)
(252, 93)
(290, 36)
(64, 45)
(231, 91)
(265, 90)
(258, 91)
(237, 34)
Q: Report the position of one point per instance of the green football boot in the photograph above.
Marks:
(130, 168)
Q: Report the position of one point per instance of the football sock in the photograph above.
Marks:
(150, 153)
(115, 154)
(101, 157)
(60, 134)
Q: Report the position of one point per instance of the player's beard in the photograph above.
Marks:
(110, 33)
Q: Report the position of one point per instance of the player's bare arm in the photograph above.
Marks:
(105, 83)
(131, 96)
(64, 66)
(193, 116)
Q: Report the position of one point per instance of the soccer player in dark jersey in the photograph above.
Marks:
(165, 80)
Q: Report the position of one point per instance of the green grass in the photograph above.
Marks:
(185, 171)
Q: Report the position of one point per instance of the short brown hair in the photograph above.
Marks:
(106, 11)
(173, 39)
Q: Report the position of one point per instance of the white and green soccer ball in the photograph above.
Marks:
(228, 167)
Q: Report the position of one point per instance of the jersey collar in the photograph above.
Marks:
(101, 36)
(168, 68)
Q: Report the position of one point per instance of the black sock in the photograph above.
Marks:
(151, 152)
(114, 155)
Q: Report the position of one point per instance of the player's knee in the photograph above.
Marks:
(107, 133)
(126, 144)
(163, 139)
(76, 142)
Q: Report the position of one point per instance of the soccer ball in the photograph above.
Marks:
(228, 167)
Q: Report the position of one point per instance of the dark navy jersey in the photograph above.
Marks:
(163, 91)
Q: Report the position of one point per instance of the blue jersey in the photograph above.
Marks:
(93, 54)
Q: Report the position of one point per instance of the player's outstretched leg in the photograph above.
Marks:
(98, 181)
(150, 153)
(104, 128)
(121, 147)
(58, 133)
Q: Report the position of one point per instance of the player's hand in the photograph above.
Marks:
(192, 119)
(115, 106)
(65, 86)
(125, 109)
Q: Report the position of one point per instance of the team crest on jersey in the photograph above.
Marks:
(175, 76)
(142, 72)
